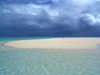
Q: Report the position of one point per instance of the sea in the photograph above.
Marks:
(47, 62)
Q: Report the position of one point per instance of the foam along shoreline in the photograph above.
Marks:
(56, 43)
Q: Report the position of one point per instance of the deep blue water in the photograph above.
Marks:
(48, 62)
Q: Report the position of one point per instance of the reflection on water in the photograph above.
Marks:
(46, 62)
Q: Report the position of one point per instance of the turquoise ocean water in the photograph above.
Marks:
(5, 39)
(48, 62)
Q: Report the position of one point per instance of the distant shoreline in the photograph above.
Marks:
(56, 43)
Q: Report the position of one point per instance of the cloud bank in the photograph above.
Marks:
(50, 18)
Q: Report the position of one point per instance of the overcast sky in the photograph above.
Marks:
(49, 18)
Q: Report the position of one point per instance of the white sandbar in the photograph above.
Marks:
(57, 43)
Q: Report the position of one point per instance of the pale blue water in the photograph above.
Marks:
(49, 62)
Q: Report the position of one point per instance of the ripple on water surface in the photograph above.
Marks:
(41, 62)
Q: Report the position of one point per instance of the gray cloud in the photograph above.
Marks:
(91, 20)
(63, 16)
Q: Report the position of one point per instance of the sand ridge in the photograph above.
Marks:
(56, 43)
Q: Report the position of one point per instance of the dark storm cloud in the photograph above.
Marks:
(50, 18)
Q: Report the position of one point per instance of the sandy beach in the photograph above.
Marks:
(57, 43)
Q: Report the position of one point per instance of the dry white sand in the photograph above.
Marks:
(57, 43)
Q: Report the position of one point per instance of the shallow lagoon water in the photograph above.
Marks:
(49, 62)
(41, 62)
